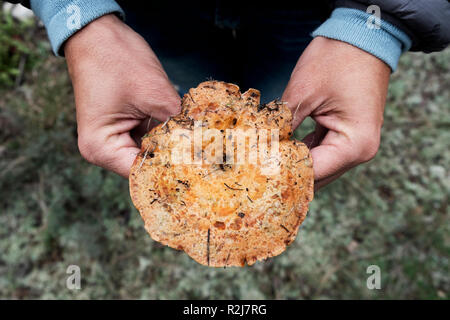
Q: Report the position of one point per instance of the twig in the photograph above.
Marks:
(303, 159)
(148, 123)
(296, 109)
(207, 245)
(165, 122)
(211, 172)
(189, 94)
(145, 157)
(231, 187)
(226, 261)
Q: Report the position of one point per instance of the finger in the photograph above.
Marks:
(332, 156)
(162, 112)
(163, 102)
(126, 157)
(299, 112)
(297, 95)
(314, 138)
(112, 151)
(143, 128)
(322, 183)
(119, 155)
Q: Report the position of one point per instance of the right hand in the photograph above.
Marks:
(119, 85)
(342, 88)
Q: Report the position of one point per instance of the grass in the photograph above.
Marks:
(57, 210)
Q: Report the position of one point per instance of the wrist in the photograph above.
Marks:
(96, 33)
(65, 18)
(384, 41)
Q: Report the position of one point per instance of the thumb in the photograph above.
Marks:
(119, 154)
(298, 102)
(125, 158)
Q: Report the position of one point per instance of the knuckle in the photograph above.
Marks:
(87, 149)
(369, 148)
(174, 108)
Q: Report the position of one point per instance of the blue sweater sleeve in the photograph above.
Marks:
(385, 41)
(62, 18)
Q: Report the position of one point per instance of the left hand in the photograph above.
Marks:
(342, 88)
(119, 84)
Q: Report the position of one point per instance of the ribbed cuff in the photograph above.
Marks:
(385, 41)
(63, 18)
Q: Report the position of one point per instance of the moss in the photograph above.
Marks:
(57, 210)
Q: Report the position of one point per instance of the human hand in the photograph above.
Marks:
(342, 88)
(119, 86)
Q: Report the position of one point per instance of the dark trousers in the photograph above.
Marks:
(251, 47)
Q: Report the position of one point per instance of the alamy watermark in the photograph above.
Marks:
(73, 282)
(374, 20)
(374, 280)
(73, 22)
(258, 147)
